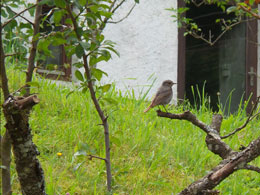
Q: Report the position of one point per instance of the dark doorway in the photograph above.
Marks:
(218, 71)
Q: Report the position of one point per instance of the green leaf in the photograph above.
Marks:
(68, 21)
(137, 1)
(105, 88)
(113, 50)
(26, 25)
(115, 140)
(79, 75)
(31, 11)
(43, 45)
(106, 14)
(92, 60)
(79, 51)
(57, 16)
(13, 5)
(80, 153)
(79, 31)
(77, 166)
(60, 3)
(97, 73)
(94, 8)
(85, 89)
(82, 2)
(42, 2)
(110, 101)
(217, 20)
(33, 83)
(71, 92)
(78, 64)
(251, 2)
(3, 13)
(231, 9)
(85, 45)
(10, 12)
(106, 54)
(58, 41)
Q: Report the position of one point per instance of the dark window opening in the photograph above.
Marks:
(218, 70)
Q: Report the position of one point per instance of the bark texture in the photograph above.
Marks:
(232, 160)
(5, 143)
(30, 174)
(6, 161)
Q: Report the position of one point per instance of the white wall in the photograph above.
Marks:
(147, 43)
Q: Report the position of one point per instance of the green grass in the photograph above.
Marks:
(150, 155)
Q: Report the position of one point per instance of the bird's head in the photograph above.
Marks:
(168, 83)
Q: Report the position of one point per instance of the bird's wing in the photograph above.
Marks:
(160, 95)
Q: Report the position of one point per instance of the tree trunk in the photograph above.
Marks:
(5, 140)
(6, 160)
(30, 174)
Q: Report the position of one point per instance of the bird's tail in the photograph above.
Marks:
(147, 109)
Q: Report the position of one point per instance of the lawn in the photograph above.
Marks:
(150, 155)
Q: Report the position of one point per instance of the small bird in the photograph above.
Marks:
(163, 95)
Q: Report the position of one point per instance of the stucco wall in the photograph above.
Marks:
(147, 43)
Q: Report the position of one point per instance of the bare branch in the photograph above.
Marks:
(102, 26)
(130, 11)
(119, 5)
(216, 122)
(13, 54)
(85, 8)
(249, 11)
(209, 40)
(250, 118)
(97, 157)
(187, 115)
(214, 143)
(225, 168)
(213, 140)
(19, 14)
(198, 4)
(252, 168)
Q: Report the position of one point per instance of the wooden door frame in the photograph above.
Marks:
(181, 59)
(251, 59)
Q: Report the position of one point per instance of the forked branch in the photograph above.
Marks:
(232, 160)
(19, 14)
(249, 118)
